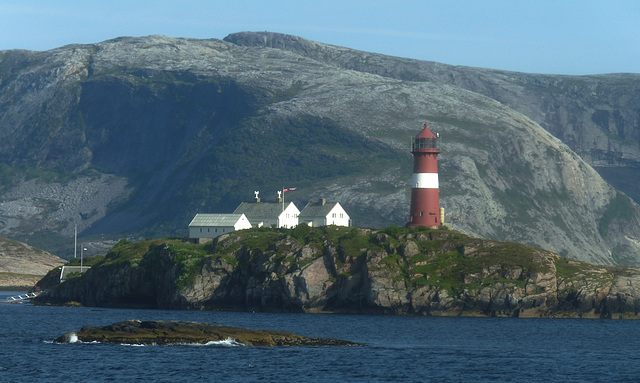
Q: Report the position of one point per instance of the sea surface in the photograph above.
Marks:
(396, 349)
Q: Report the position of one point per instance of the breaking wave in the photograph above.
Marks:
(229, 342)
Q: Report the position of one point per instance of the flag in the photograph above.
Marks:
(288, 189)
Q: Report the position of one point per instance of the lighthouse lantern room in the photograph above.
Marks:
(425, 199)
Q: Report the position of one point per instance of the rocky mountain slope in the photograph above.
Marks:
(333, 269)
(136, 135)
(598, 117)
(21, 265)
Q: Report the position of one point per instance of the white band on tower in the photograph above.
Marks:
(425, 181)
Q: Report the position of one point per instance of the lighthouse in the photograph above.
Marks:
(425, 199)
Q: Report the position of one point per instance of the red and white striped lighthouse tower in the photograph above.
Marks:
(425, 199)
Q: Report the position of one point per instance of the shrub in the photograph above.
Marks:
(301, 231)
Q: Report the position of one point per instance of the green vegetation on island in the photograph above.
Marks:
(397, 270)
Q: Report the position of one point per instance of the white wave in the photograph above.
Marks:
(229, 342)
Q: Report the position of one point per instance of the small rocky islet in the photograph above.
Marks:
(398, 271)
(149, 333)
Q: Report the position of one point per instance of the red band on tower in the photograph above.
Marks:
(425, 198)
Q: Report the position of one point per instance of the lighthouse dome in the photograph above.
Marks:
(426, 133)
(425, 141)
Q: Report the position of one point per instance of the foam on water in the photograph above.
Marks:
(229, 342)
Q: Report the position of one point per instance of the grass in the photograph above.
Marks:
(86, 261)
(575, 271)
(189, 259)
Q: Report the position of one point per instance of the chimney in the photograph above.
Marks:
(323, 201)
(279, 196)
(257, 198)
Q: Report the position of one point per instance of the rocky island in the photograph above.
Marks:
(408, 271)
(153, 333)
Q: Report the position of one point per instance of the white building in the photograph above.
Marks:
(208, 226)
(324, 213)
(270, 214)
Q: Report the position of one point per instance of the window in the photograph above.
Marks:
(341, 215)
(216, 229)
(333, 215)
(424, 143)
(208, 230)
(201, 230)
(421, 214)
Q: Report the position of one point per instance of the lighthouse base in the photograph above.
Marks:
(429, 227)
(425, 209)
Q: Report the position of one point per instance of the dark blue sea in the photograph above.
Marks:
(397, 349)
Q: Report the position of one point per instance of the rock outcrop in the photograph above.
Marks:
(349, 270)
(152, 333)
(21, 265)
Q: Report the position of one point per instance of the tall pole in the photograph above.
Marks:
(75, 242)
(81, 256)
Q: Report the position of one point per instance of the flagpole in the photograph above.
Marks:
(283, 198)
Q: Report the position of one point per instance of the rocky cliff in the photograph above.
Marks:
(395, 271)
(101, 135)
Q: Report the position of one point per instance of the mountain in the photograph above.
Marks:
(21, 265)
(134, 136)
(350, 270)
(597, 116)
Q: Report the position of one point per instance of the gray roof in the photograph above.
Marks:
(316, 209)
(215, 220)
(261, 211)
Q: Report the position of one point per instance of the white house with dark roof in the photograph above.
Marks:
(207, 226)
(270, 214)
(324, 213)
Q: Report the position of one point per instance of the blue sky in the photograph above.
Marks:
(560, 37)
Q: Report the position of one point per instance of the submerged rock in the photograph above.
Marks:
(181, 332)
